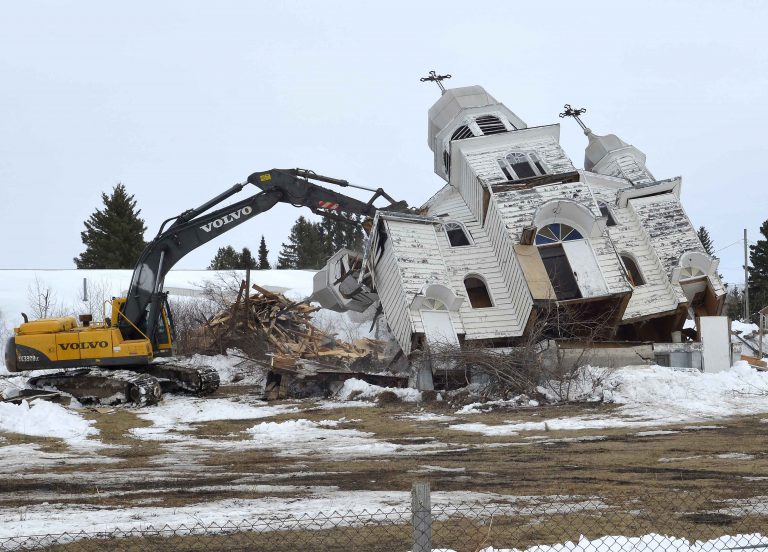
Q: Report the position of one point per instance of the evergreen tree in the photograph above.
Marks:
(226, 258)
(706, 241)
(246, 259)
(310, 244)
(734, 304)
(758, 273)
(305, 247)
(114, 236)
(263, 263)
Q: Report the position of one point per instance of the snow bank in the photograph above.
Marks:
(359, 389)
(45, 419)
(655, 396)
(657, 392)
(744, 329)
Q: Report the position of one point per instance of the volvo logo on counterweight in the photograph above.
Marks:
(84, 345)
(226, 219)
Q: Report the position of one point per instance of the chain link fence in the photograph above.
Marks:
(680, 522)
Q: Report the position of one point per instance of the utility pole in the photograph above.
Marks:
(746, 280)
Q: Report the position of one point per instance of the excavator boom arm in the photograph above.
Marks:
(195, 227)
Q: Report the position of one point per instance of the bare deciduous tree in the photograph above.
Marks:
(536, 361)
(41, 299)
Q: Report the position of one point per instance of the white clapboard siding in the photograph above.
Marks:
(668, 227)
(485, 163)
(389, 287)
(517, 209)
(626, 166)
(419, 262)
(657, 295)
(670, 233)
(511, 302)
(470, 188)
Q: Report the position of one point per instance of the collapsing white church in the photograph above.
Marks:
(518, 228)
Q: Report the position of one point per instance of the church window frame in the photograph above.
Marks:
(482, 298)
(457, 234)
(549, 241)
(557, 232)
(632, 270)
(519, 164)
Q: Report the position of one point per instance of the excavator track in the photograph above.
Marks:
(199, 380)
(107, 387)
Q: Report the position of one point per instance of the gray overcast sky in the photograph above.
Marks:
(179, 100)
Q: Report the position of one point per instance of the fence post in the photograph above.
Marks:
(421, 516)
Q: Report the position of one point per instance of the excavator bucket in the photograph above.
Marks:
(336, 286)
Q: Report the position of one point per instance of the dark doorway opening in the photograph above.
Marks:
(560, 272)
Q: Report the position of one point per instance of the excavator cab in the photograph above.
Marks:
(164, 343)
(164, 340)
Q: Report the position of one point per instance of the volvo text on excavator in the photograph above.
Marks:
(118, 359)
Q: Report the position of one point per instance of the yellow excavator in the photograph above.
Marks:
(120, 359)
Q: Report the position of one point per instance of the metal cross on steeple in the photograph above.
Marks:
(434, 77)
(575, 112)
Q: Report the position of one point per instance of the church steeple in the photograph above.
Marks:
(609, 154)
(463, 113)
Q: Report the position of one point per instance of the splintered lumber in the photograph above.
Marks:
(282, 330)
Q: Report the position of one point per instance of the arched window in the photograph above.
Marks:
(457, 234)
(606, 213)
(477, 292)
(557, 232)
(633, 271)
(517, 165)
(490, 124)
(447, 162)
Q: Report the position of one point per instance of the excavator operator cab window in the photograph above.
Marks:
(162, 331)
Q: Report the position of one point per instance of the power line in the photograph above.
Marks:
(729, 245)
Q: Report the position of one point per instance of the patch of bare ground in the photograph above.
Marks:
(728, 460)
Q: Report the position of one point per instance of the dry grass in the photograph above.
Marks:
(622, 462)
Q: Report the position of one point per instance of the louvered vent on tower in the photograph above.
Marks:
(490, 124)
(461, 133)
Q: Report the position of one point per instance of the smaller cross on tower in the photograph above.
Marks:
(434, 77)
(575, 112)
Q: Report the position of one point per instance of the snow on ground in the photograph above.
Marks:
(31, 457)
(305, 437)
(648, 542)
(59, 518)
(233, 368)
(359, 389)
(514, 402)
(656, 396)
(45, 419)
(175, 413)
(428, 417)
(743, 328)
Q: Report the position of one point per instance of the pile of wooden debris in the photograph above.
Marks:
(303, 359)
(283, 329)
